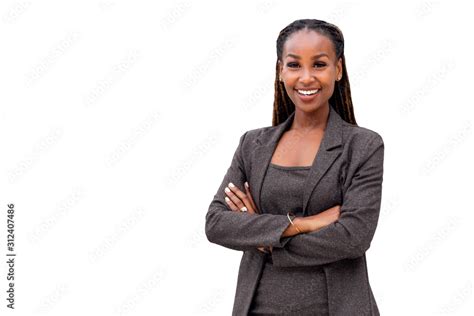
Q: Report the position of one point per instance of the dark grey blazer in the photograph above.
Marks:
(347, 170)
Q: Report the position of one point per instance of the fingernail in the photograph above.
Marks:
(227, 199)
(246, 184)
(227, 189)
(231, 185)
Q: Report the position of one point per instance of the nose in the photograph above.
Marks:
(307, 76)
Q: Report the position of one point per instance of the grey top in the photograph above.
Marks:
(296, 290)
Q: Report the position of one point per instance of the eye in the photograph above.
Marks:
(295, 64)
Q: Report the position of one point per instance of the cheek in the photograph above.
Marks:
(289, 85)
(329, 91)
(291, 78)
(329, 82)
(328, 78)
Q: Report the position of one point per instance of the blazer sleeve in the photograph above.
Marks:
(241, 230)
(350, 236)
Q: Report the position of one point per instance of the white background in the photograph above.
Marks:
(119, 119)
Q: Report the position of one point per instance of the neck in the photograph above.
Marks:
(310, 121)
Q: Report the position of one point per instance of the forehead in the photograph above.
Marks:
(308, 43)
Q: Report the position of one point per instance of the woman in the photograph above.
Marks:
(302, 197)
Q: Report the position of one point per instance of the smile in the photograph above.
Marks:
(307, 92)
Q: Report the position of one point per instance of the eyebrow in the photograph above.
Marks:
(314, 57)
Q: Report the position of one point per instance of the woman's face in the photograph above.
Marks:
(309, 65)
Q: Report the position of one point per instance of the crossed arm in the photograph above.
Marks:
(237, 200)
(322, 241)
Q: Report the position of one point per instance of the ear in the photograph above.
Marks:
(339, 68)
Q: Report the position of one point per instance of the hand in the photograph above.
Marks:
(236, 199)
(325, 218)
(332, 214)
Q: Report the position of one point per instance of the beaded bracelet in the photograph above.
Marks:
(291, 220)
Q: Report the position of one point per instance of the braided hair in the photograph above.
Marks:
(340, 100)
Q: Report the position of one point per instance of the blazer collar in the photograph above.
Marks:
(329, 150)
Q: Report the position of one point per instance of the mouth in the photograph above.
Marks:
(307, 94)
(307, 91)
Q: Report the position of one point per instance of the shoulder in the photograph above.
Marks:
(251, 136)
(360, 137)
(361, 145)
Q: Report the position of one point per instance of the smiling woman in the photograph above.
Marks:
(311, 51)
(302, 197)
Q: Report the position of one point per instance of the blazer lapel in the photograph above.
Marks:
(328, 151)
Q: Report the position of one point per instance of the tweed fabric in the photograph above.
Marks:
(347, 170)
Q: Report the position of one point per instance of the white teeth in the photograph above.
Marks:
(308, 92)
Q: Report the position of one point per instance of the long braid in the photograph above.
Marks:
(283, 104)
(341, 100)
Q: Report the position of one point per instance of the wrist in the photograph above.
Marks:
(303, 224)
(295, 228)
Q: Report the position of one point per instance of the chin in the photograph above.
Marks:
(308, 107)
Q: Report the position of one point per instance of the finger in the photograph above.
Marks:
(247, 189)
(231, 204)
(233, 198)
(237, 201)
(240, 198)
